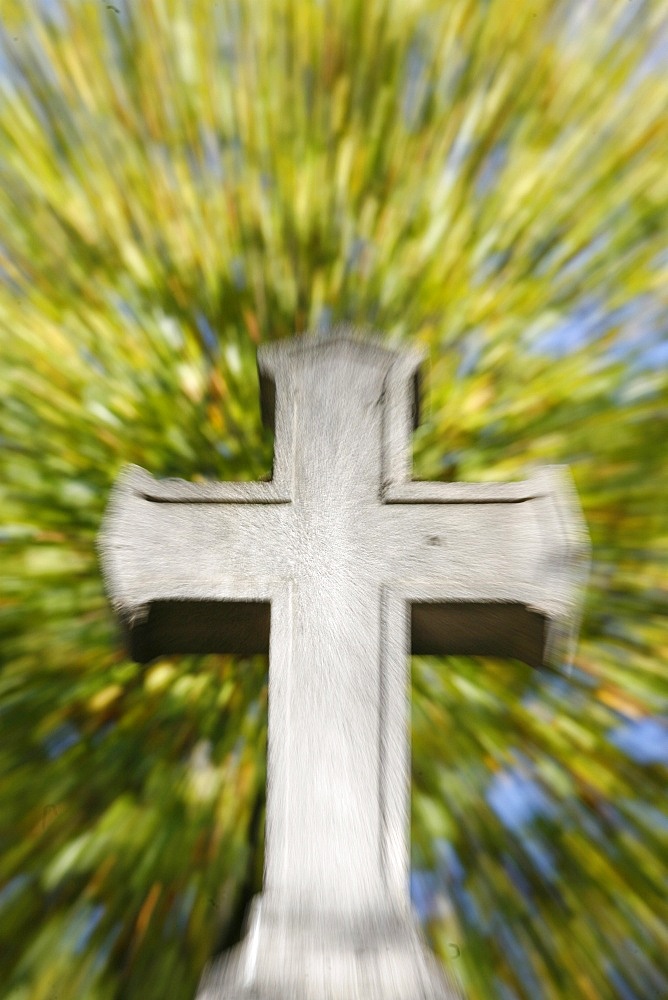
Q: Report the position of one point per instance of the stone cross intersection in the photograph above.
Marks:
(338, 568)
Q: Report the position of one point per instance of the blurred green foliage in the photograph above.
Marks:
(181, 180)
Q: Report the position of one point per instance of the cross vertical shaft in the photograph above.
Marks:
(331, 738)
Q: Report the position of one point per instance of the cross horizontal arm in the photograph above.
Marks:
(173, 554)
(492, 568)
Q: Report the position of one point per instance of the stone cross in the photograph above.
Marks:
(338, 568)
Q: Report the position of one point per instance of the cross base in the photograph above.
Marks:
(381, 956)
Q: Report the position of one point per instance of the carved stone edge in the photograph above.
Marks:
(565, 559)
(143, 484)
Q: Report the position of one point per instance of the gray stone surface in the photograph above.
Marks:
(337, 568)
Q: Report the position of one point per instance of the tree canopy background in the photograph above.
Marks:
(181, 180)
